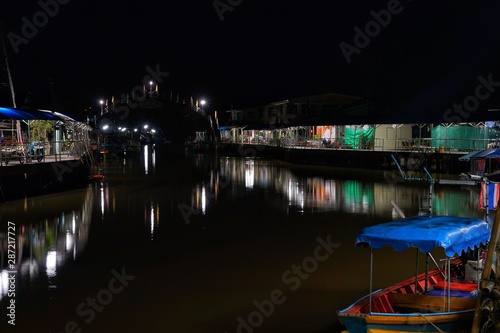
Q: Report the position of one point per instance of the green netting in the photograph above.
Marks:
(358, 195)
(359, 138)
(462, 137)
(448, 202)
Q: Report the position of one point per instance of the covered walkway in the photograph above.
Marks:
(24, 136)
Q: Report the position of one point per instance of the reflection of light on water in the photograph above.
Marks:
(199, 198)
(48, 244)
(146, 159)
(152, 216)
(153, 159)
(332, 194)
(102, 201)
(203, 200)
(249, 174)
(51, 263)
(70, 243)
(365, 203)
(152, 220)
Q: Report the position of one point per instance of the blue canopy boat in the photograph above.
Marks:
(483, 164)
(440, 300)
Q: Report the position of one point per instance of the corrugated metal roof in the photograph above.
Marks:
(17, 114)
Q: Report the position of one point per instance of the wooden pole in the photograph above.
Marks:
(486, 271)
(371, 280)
(11, 86)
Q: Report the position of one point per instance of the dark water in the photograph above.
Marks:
(194, 243)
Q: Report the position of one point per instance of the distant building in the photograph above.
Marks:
(293, 109)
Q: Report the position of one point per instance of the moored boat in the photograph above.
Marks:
(483, 164)
(439, 300)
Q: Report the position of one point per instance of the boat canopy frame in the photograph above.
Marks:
(455, 234)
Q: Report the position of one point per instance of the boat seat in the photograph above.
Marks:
(463, 286)
(457, 289)
(453, 293)
(430, 303)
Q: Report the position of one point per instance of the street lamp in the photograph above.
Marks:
(152, 90)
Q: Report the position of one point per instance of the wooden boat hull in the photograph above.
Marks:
(399, 309)
(412, 322)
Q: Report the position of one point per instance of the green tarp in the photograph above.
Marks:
(359, 138)
(463, 137)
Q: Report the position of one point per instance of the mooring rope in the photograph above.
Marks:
(430, 322)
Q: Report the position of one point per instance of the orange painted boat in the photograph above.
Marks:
(439, 300)
(96, 177)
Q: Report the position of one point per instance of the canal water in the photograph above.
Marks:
(180, 243)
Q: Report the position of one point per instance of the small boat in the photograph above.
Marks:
(97, 177)
(483, 164)
(439, 300)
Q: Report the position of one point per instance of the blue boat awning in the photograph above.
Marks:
(18, 114)
(469, 155)
(453, 233)
(487, 153)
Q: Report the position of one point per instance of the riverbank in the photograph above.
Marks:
(442, 163)
(33, 179)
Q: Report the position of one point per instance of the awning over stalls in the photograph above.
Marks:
(38, 114)
(61, 116)
(453, 233)
(469, 155)
(17, 114)
(487, 153)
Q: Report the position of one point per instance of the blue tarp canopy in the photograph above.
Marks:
(487, 153)
(469, 155)
(453, 233)
(17, 114)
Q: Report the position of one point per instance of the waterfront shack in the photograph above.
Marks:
(45, 151)
(334, 122)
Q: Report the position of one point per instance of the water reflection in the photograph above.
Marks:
(223, 228)
(148, 157)
(304, 193)
(44, 246)
(152, 216)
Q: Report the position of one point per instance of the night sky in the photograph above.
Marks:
(423, 58)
